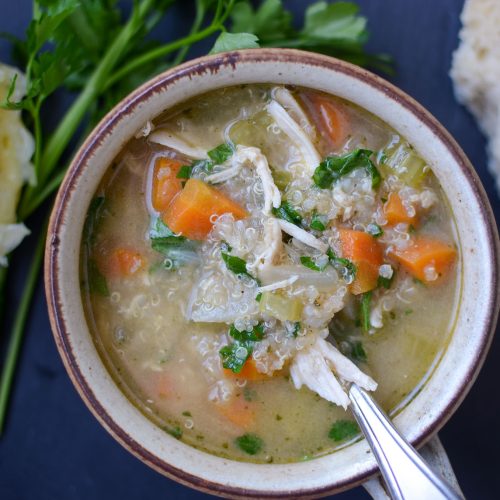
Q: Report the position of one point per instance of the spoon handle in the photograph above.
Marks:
(406, 475)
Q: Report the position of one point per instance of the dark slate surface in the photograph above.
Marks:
(53, 448)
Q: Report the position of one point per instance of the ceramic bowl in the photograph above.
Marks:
(452, 376)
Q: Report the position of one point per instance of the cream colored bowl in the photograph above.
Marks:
(452, 376)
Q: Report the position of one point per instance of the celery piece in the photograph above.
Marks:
(253, 132)
(280, 307)
(402, 160)
(282, 178)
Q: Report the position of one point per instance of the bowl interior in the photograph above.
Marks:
(476, 235)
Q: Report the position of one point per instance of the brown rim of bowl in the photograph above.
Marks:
(212, 64)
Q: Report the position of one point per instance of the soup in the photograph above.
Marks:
(254, 251)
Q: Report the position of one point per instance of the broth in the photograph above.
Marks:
(208, 349)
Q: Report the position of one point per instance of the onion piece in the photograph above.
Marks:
(278, 284)
(170, 140)
(302, 235)
(296, 135)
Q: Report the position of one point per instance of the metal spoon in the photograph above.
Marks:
(405, 473)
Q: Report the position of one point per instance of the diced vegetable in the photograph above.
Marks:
(281, 178)
(191, 211)
(329, 117)
(239, 412)
(280, 307)
(288, 213)
(426, 259)
(248, 372)
(365, 252)
(401, 159)
(374, 229)
(333, 168)
(395, 212)
(253, 132)
(166, 183)
(343, 429)
(124, 262)
(250, 443)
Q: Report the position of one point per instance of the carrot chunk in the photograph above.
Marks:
(365, 252)
(238, 411)
(395, 212)
(192, 210)
(165, 182)
(248, 372)
(124, 262)
(426, 259)
(329, 117)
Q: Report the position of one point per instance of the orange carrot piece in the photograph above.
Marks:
(329, 117)
(191, 211)
(365, 252)
(248, 372)
(165, 182)
(395, 212)
(425, 255)
(238, 411)
(124, 262)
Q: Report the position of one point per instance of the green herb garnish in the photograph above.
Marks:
(250, 443)
(366, 299)
(184, 172)
(235, 355)
(176, 431)
(216, 156)
(386, 282)
(343, 429)
(318, 222)
(347, 268)
(375, 230)
(296, 328)
(97, 282)
(333, 168)
(236, 265)
(288, 213)
(357, 351)
(309, 263)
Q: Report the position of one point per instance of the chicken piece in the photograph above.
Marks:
(318, 366)
(169, 139)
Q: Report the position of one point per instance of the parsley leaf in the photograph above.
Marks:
(235, 355)
(309, 263)
(347, 268)
(286, 212)
(386, 282)
(357, 351)
(234, 41)
(343, 429)
(177, 250)
(250, 443)
(366, 299)
(318, 222)
(184, 172)
(374, 229)
(97, 282)
(333, 168)
(221, 153)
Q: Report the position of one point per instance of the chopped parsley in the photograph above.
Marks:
(237, 265)
(187, 414)
(348, 268)
(343, 429)
(176, 431)
(318, 222)
(333, 168)
(296, 328)
(386, 282)
(288, 213)
(366, 299)
(235, 355)
(375, 230)
(309, 263)
(357, 351)
(249, 443)
(184, 172)
(216, 156)
(97, 282)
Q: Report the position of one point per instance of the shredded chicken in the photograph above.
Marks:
(273, 245)
(296, 135)
(170, 140)
(313, 367)
(286, 99)
(302, 235)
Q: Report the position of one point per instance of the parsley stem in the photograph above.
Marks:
(96, 84)
(18, 328)
(30, 204)
(161, 52)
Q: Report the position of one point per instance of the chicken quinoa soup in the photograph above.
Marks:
(251, 253)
